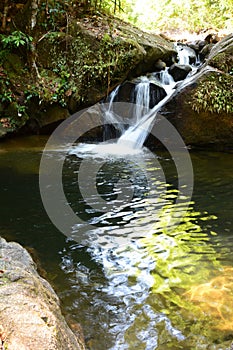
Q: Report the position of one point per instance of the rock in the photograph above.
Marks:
(29, 308)
(159, 65)
(77, 66)
(179, 71)
(212, 38)
(126, 93)
(205, 51)
(196, 45)
(203, 112)
(221, 55)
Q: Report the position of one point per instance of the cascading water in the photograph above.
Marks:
(112, 118)
(166, 80)
(132, 135)
(186, 55)
(136, 135)
(135, 315)
(142, 92)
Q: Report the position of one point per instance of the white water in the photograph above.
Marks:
(109, 116)
(166, 80)
(142, 92)
(183, 54)
(142, 119)
(135, 136)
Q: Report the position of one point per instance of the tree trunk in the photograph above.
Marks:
(4, 18)
(34, 6)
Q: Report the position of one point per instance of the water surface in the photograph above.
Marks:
(134, 283)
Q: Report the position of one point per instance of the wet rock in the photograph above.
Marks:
(197, 45)
(221, 55)
(126, 93)
(179, 71)
(159, 65)
(29, 308)
(205, 51)
(202, 112)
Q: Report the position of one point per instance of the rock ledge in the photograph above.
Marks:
(30, 316)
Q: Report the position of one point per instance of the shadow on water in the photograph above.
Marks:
(159, 288)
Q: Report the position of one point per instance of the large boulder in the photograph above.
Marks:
(30, 317)
(99, 57)
(221, 55)
(179, 71)
(202, 112)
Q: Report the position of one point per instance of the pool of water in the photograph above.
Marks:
(132, 281)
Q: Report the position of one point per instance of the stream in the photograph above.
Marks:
(149, 264)
(156, 288)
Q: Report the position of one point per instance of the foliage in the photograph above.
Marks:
(190, 15)
(13, 108)
(214, 95)
(222, 61)
(89, 63)
(14, 111)
(15, 39)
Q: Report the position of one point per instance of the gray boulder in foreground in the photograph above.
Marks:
(30, 317)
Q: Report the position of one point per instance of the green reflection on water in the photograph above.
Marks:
(190, 285)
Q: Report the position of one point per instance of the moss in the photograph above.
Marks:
(82, 62)
(222, 61)
(72, 61)
(214, 94)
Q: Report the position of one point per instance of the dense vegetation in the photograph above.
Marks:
(46, 58)
(170, 15)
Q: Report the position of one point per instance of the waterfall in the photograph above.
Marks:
(149, 95)
(110, 117)
(142, 92)
(165, 77)
(135, 136)
(186, 55)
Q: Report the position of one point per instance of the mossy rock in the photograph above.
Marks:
(203, 112)
(98, 56)
(221, 55)
(76, 63)
(13, 64)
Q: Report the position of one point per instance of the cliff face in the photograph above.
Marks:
(30, 317)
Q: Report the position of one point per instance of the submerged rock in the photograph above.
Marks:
(30, 316)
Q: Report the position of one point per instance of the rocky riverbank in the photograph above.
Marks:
(30, 316)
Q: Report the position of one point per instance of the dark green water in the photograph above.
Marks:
(157, 290)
